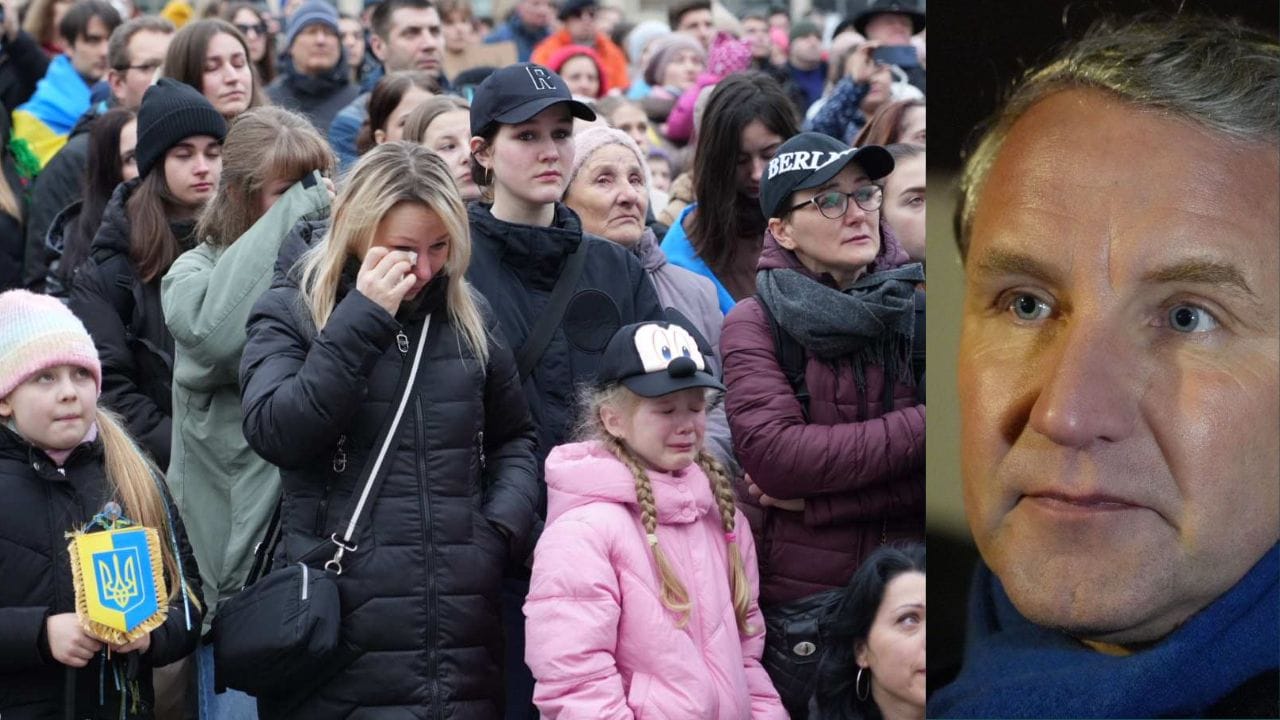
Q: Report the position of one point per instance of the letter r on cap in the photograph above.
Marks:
(541, 80)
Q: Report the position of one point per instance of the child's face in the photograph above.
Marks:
(666, 432)
(54, 408)
(661, 172)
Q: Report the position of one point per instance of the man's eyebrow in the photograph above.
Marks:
(1201, 271)
(1005, 262)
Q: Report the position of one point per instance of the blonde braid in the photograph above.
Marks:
(739, 588)
(674, 596)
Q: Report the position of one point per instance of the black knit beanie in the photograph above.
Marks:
(170, 113)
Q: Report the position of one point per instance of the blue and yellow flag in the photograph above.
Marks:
(119, 582)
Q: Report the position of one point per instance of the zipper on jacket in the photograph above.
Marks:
(339, 465)
(424, 502)
(402, 342)
(480, 448)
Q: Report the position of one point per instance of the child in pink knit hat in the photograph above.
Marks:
(62, 459)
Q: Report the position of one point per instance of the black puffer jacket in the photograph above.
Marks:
(124, 316)
(39, 504)
(516, 267)
(59, 183)
(420, 596)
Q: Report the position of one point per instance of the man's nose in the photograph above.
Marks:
(1091, 385)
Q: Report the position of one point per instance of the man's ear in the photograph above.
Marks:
(115, 81)
(781, 231)
(378, 46)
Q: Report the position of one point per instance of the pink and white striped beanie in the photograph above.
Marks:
(38, 332)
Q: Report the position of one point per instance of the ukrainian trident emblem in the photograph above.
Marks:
(119, 578)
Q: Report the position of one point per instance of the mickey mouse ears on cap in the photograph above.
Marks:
(653, 359)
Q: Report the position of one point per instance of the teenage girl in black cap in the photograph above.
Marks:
(523, 240)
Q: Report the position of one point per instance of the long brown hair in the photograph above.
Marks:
(725, 216)
(263, 145)
(674, 595)
(152, 245)
(184, 60)
(885, 126)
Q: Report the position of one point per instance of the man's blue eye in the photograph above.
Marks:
(1029, 308)
(1189, 319)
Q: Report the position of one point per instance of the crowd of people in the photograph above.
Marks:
(602, 344)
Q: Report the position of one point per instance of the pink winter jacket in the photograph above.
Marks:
(599, 641)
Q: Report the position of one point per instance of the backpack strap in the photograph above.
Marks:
(790, 355)
(917, 345)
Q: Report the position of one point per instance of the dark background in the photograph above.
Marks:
(977, 48)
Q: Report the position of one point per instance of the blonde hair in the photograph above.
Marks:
(134, 479)
(387, 175)
(674, 596)
(9, 204)
(264, 144)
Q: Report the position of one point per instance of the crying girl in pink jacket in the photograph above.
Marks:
(643, 597)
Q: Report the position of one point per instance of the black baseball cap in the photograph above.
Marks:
(570, 8)
(653, 359)
(811, 159)
(518, 92)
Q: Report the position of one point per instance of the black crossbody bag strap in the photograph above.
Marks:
(374, 473)
(536, 344)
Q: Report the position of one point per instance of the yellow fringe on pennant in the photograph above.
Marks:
(105, 633)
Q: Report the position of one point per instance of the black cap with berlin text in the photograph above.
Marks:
(811, 159)
(517, 92)
(653, 359)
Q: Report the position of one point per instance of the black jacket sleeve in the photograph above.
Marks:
(92, 301)
(180, 633)
(510, 441)
(23, 66)
(21, 630)
(299, 393)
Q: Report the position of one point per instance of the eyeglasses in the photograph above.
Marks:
(833, 204)
(259, 29)
(146, 67)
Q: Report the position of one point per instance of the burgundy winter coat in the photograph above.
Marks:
(862, 478)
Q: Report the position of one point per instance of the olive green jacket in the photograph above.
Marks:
(225, 492)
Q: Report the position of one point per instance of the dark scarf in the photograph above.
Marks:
(1014, 668)
(871, 322)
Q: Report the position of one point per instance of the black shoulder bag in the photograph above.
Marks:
(536, 344)
(281, 632)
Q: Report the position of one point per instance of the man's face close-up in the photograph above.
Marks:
(1118, 373)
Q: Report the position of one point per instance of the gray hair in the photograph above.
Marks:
(1215, 73)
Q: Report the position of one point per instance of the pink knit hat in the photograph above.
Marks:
(586, 142)
(38, 332)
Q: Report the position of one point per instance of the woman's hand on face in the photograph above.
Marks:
(861, 66)
(69, 644)
(767, 501)
(328, 186)
(385, 276)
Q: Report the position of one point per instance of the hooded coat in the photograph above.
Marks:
(600, 642)
(124, 316)
(420, 595)
(40, 503)
(858, 466)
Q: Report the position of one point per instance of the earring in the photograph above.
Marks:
(857, 685)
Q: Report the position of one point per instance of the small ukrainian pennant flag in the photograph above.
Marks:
(119, 582)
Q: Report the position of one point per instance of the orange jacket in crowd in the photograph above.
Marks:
(615, 61)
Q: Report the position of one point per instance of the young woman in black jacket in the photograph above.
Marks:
(325, 352)
(522, 152)
(148, 222)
